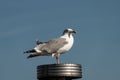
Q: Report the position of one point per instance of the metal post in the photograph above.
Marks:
(59, 72)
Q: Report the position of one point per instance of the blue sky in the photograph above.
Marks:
(97, 42)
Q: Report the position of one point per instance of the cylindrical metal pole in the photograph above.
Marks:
(59, 72)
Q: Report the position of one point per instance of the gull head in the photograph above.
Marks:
(69, 31)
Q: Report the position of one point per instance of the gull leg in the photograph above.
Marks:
(57, 58)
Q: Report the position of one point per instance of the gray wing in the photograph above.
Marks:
(53, 45)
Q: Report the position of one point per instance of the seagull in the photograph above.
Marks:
(54, 47)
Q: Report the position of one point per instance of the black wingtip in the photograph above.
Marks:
(24, 52)
(30, 51)
(28, 57)
(32, 55)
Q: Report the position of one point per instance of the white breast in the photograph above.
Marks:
(68, 46)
